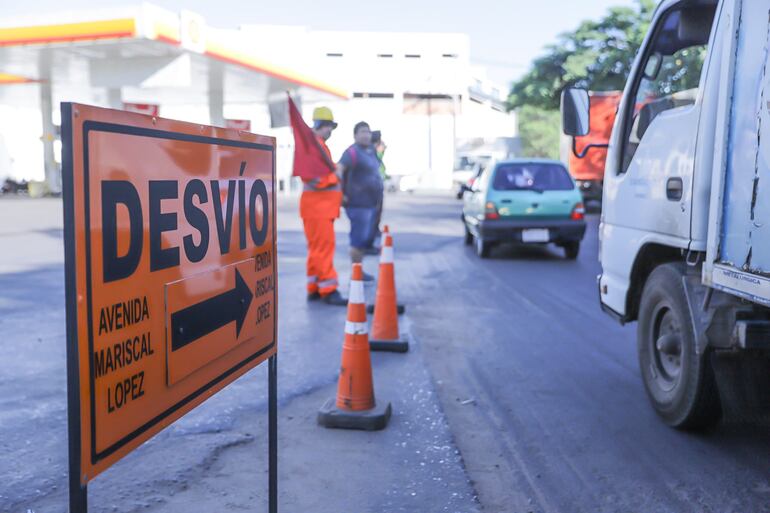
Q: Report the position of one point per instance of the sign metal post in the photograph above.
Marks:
(272, 371)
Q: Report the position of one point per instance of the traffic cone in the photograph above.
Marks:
(355, 407)
(385, 232)
(385, 335)
(399, 308)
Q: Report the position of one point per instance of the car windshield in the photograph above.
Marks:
(531, 176)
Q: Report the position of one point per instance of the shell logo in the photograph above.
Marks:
(194, 31)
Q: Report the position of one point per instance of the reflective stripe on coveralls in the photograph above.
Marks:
(326, 284)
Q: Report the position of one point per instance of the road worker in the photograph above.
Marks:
(319, 206)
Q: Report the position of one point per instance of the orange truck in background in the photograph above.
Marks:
(588, 172)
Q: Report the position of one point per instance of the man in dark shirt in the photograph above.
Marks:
(362, 190)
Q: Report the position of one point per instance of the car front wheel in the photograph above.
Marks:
(468, 236)
(483, 247)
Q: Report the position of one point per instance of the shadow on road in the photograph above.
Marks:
(16, 290)
(512, 251)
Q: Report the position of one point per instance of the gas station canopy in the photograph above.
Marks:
(142, 55)
(153, 54)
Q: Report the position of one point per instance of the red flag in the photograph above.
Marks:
(310, 159)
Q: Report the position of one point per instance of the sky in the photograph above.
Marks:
(505, 35)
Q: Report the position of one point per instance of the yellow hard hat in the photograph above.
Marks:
(323, 114)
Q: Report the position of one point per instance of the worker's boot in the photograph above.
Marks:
(313, 296)
(335, 298)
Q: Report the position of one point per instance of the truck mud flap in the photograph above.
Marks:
(713, 313)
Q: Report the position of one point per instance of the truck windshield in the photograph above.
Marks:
(672, 71)
(534, 176)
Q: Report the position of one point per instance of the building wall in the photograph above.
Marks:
(414, 87)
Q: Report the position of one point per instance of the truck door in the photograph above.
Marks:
(649, 181)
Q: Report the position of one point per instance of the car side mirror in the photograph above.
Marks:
(575, 113)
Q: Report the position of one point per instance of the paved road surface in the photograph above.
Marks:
(542, 390)
(215, 458)
(536, 387)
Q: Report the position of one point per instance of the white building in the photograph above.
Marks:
(419, 89)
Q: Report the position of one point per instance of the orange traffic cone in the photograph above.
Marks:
(385, 335)
(399, 307)
(355, 407)
(385, 233)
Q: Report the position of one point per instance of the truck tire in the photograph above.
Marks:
(679, 382)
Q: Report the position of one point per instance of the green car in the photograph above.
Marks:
(524, 201)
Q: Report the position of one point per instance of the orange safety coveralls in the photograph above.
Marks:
(319, 206)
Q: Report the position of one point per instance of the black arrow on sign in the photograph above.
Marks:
(200, 319)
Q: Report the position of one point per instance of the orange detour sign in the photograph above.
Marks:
(170, 272)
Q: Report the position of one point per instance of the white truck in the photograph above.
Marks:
(685, 224)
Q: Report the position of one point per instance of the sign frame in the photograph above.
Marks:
(78, 489)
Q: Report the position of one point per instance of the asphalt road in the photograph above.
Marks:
(215, 458)
(542, 390)
(516, 383)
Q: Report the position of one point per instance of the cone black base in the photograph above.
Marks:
(369, 420)
(400, 309)
(393, 346)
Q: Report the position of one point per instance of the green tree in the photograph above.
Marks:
(597, 55)
(539, 132)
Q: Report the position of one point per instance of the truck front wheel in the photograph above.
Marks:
(679, 382)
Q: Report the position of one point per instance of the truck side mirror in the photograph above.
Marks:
(575, 116)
